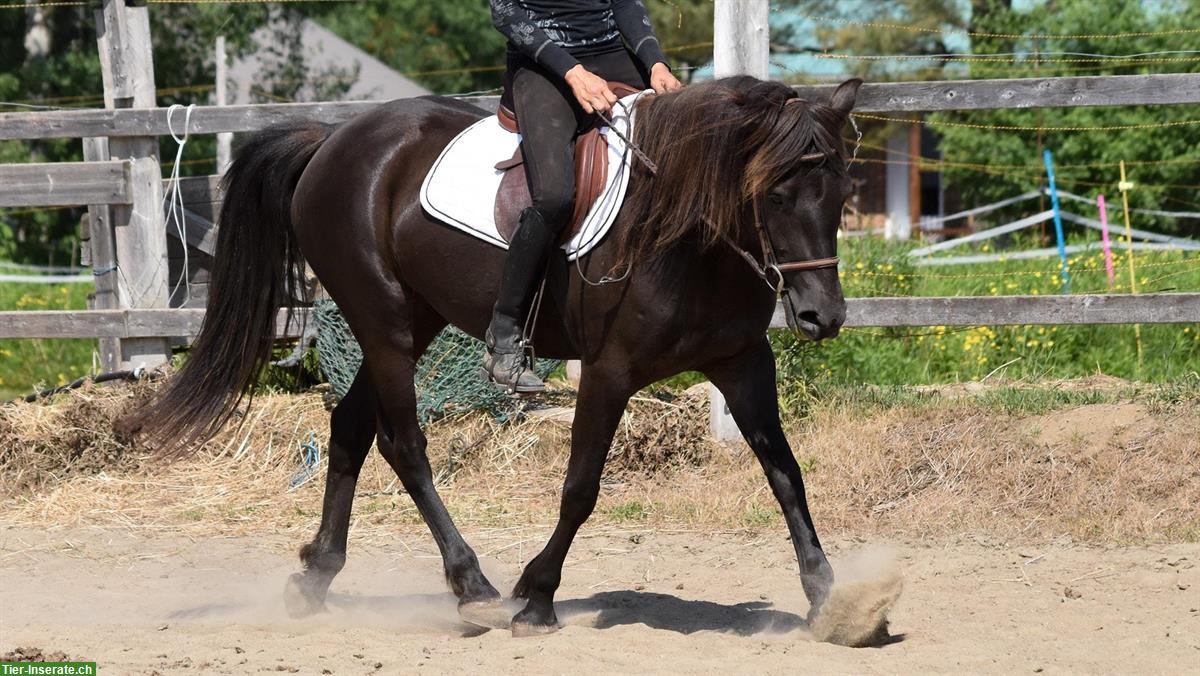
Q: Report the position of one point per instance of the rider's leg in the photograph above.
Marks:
(548, 127)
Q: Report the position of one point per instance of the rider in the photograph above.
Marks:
(560, 55)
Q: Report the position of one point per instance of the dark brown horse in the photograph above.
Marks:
(749, 189)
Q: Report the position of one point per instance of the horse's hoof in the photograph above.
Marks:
(524, 629)
(856, 614)
(491, 614)
(300, 601)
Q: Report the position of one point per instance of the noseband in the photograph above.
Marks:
(770, 265)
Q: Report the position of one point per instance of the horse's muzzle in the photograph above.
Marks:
(814, 321)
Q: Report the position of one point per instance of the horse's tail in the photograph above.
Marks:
(257, 267)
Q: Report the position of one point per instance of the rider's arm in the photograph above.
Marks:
(515, 23)
(634, 24)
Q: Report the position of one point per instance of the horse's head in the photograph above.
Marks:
(738, 155)
(799, 182)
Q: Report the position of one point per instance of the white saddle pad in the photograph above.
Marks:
(461, 187)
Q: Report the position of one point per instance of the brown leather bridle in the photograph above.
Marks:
(770, 265)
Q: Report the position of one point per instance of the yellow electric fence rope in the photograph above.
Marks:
(170, 91)
(74, 3)
(1019, 167)
(902, 276)
(1152, 281)
(1046, 71)
(1002, 36)
(247, 2)
(1025, 174)
(1182, 201)
(21, 5)
(1028, 173)
(972, 58)
(1016, 127)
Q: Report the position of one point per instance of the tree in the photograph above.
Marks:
(448, 46)
(451, 46)
(1164, 162)
(50, 60)
(685, 29)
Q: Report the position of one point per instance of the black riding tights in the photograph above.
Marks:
(550, 120)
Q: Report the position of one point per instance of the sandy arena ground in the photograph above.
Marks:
(633, 601)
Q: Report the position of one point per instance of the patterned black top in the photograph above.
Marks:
(554, 32)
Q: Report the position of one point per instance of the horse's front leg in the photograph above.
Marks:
(601, 402)
(748, 383)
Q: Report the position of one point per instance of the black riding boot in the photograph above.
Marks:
(506, 362)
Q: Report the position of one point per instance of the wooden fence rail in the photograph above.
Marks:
(124, 324)
(1156, 308)
(124, 192)
(898, 97)
(64, 184)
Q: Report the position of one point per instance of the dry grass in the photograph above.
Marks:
(915, 469)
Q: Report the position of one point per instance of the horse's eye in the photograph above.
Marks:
(775, 198)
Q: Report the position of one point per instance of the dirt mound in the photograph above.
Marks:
(41, 443)
(1096, 427)
(34, 655)
(661, 434)
(928, 469)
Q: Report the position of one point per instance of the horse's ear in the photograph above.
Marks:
(843, 97)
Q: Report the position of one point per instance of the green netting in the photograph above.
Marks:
(449, 378)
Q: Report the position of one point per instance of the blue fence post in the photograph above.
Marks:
(1058, 227)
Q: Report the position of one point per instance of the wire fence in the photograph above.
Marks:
(950, 30)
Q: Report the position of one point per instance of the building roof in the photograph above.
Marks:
(324, 51)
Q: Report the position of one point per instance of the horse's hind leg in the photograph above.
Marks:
(391, 354)
(351, 431)
(748, 383)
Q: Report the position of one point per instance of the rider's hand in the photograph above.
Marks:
(590, 90)
(662, 80)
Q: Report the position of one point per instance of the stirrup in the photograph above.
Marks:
(512, 372)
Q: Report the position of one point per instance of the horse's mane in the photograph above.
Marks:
(717, 145)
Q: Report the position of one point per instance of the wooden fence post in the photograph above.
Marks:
(224, 139)
(741, 45)
(123, 38)
(103, 258)
(741, 38)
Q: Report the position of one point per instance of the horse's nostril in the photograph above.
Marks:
(811, 317)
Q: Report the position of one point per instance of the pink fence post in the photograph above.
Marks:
(1108, 264)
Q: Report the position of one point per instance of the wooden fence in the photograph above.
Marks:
(122, 186)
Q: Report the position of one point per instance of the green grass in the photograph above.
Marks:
(1036, 401)
(860, 399)
(30, 364)
(941, 354)
(634, 510)
(881, 357)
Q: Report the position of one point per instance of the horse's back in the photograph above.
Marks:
(386, 150)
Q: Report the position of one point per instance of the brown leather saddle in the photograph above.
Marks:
(591, 173)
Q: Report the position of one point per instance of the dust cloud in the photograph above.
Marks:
(866, 587)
